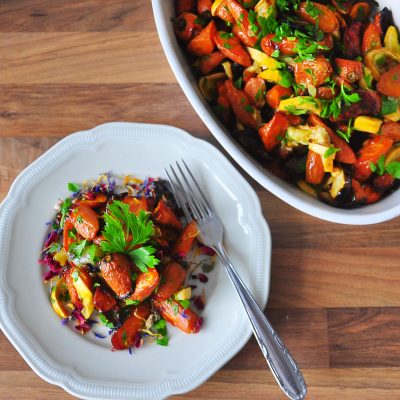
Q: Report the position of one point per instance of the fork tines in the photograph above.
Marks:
(187, 192)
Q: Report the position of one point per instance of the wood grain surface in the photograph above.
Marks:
(335, 290)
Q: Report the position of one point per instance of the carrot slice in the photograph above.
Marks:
(271, 131)
(276, 94)
(126, 335)
(165, 216)
(86, 221)
(173, 312)
(173, 277)
(241, 105)
(203, 43)
(389, 84)
(316, 13)
(210, 62)
(371, 151)
(231, 47)
(146, 284)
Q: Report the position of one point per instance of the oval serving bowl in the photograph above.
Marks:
(84, 365)
(384, 210)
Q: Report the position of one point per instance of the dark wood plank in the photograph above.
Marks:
(9, 359)
(82, 57)
(364, 337)
(334, 277)
(75, 16)
(16, 154)
(323, 384)
(57, 110)
(305, 332)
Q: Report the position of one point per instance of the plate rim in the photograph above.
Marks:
(65, 378)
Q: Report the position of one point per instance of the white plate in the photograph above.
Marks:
(84, 365)
(383, 210)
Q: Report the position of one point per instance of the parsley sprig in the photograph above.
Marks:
(127, 233)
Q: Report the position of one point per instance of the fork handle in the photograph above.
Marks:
(281, 363)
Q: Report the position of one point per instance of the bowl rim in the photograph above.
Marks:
(283, 190)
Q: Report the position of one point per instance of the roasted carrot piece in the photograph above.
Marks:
(285, 46)
(186, 26)
(146, 283)
(210, 62)
(371, 39)
(243, 36)
(383, 182)
(97, 200)
(360, 11)
(391, 130)
(346, 154)
(256, 90)
(313, 72)
(222, 12)
(276, 94)
(364, 194)
(86, 221)
(325, 18)
(371, 151)
(126, 335)
(73, 294)
(173, 312)
(231, 47)
(204, 6)
(314, 168)
(67, 239)
(103, 301)
(116, 272)
(164, 215)
(271, 131)
(172, 279)
(349, 70)
(136, 204)
(184, 5)
(185, 241)
(203, 43)
(241, 106)
(389, 83)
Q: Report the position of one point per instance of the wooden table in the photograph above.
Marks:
(67, 65)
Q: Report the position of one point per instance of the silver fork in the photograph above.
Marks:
(196, 206)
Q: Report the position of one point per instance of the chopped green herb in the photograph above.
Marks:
(239, 83)
(248, 108)
(226, 35)
(184, 303)
(74, 187)
(393, 168)
(389, 105)
(64, 209)
(332, 150)
(379, 167)
(346, 135)
(105, 321)
(227, 46)
(130, 302)
(96, 284)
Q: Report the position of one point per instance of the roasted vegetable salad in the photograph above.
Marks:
(310, 89)
(117, 256)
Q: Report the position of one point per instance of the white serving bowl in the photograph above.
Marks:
(384, 210)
